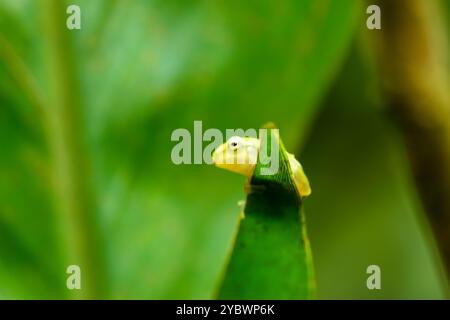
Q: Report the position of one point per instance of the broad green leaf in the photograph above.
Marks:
(136, 71)
(271, 257)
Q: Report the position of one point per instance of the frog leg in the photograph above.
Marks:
(241, 204)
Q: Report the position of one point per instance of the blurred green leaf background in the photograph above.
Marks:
(96, 107)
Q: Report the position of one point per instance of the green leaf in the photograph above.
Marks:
(138, 70)
(272, 258)
(364, 209)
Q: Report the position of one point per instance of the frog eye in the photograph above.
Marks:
(234, 143)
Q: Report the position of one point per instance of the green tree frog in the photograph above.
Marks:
(239, 155)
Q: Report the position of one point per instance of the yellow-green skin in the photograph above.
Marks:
(246, 149)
